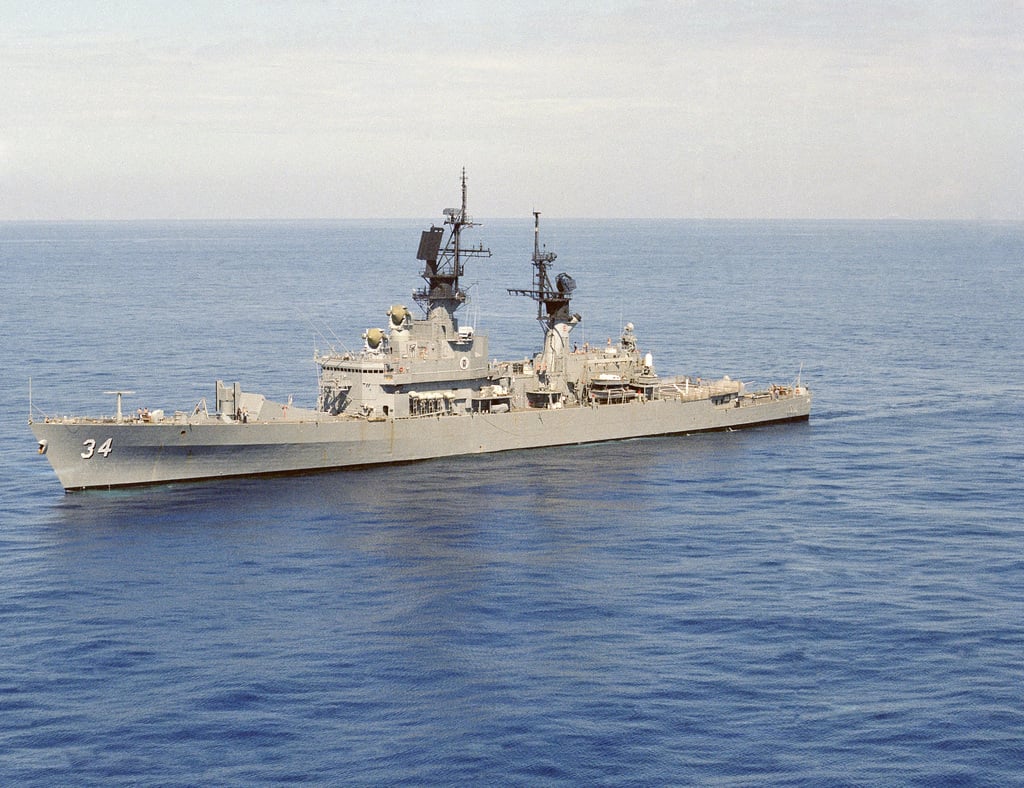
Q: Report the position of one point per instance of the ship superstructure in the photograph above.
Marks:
(419, 388)
(416, 367)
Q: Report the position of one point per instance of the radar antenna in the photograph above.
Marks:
(552, 300)
(443, 267)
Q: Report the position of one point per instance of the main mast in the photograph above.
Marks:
(443, 267)
(552, 300)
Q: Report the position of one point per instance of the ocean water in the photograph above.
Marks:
(839, 602)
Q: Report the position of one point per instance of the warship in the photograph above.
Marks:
(419, 389)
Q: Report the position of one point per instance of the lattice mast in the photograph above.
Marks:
(552, 300)
(443, 267)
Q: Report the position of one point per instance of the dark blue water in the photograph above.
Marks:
(839, 602)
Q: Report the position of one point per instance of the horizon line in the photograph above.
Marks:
(550, 217)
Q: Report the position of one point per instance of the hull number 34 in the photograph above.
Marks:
(90, 450)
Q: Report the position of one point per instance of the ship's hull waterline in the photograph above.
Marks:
(93, 453)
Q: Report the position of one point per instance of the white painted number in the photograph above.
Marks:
(90, 448)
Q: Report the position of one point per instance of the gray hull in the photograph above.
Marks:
(92, 453)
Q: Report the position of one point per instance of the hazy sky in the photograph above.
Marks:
(834, 109)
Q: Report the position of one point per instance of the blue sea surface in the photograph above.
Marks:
(838, 602)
